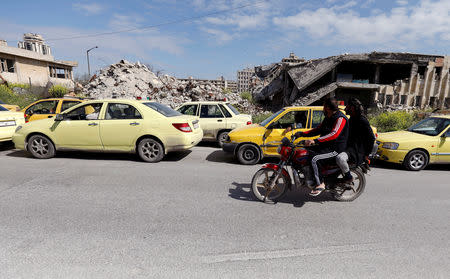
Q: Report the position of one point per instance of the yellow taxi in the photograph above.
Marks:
(253, 142)
(147, 128)
(10, 107)
(426, 142)
(9, 121)
(47, 108)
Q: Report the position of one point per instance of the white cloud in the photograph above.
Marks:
(401, 26)
(220, 36)
(88, 8)
(402, 2)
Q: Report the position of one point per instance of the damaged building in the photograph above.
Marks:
(377, 79)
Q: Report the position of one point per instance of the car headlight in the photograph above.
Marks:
(18, 128)
(390, 145)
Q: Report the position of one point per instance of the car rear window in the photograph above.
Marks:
(233, 109)
(164, 110)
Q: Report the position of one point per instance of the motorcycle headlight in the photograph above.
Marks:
(390, 145)
(18, 128)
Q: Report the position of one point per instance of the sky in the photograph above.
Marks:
(209, 39)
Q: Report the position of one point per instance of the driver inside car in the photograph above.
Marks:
(333, 132)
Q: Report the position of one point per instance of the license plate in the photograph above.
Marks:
(7, 123)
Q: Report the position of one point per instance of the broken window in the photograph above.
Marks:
(58, 72)
(403, 99)
(418, 100)
(7, 65)
(432, 101)
(447, 102)
(389, 73)
(438, 73)
(421, 71)
(381, 98)
(388, 100)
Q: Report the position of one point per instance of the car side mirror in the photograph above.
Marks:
(59, 117)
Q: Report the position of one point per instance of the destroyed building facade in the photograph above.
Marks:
(377, 79)
(32, 63)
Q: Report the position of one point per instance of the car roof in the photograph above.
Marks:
(310, 107)
(205, 102)
(447, 116)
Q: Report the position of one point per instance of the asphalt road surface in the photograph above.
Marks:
(93, 215)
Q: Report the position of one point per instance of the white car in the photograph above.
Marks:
(217, 119)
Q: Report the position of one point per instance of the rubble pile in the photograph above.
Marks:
(131, 80)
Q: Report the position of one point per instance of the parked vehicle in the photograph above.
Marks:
(272, 181)
(148, 128)
(217, 119)
(47, 108)
(9, 120)
(10, 107)
(252, 143)
(427, 142)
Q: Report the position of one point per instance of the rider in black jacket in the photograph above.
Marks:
(333, 133)
(360, 139)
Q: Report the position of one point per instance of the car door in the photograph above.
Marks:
(211, 120)
(443, 150)
(41, 110)
(80, 128)
(121, 126)
(297, 119)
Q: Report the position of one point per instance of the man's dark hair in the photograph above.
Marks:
(331, 103)
(359, 109)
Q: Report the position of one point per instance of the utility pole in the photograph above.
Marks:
(87, 55)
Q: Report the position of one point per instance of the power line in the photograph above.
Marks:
(161, 24)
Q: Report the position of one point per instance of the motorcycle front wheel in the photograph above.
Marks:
(261, 185)
(357, 187)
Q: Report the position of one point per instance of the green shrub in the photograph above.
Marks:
(20, 85)
(247, 96)
(226, 91)
(9, 97)
(260, 117)
(58, 91)
(392, 121)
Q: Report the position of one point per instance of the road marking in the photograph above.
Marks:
(291, 253)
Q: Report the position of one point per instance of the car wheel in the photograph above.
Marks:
(248, 154)
(41, 147)
(416, 160)
(222, 137)
(150, 150)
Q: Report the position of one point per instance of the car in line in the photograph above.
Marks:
(427, 142)
(48, 108)
(9, 120)
(10, 107)
(147, 128)
(252, 143)
(217, 119)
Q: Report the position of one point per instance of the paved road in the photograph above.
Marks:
(191, 216)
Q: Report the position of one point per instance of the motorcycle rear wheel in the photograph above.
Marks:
(359, 183)
(260, 185)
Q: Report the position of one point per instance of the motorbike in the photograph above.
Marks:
(272, 181)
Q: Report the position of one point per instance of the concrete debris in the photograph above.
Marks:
(132, 80)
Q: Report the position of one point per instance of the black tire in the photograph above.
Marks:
(150, 150)
(248, 154)
(261, 180)
(416, 160)
(221, 137)
(350, 195)
(41, 147)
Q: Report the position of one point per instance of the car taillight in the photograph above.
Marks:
(183, 127)
(249, 123)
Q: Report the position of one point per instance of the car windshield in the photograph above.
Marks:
(164, 110)
(3, 109)
(233, 109)
(430, 126)
(270, 118)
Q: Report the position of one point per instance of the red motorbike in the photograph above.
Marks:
(272, 181)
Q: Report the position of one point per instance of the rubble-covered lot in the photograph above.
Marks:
(131, 80)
